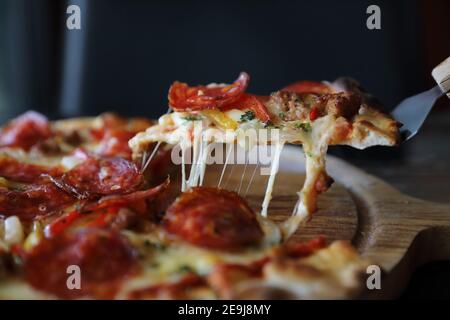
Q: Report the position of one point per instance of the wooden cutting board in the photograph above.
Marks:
(395, 231)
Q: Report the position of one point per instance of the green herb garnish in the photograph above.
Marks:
(270, 125)
(282, 115)
(247, 116)
(185, 268)
(305, 126)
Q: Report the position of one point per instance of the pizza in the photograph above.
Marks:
(314, 114)
(89, 208)
(81, 217)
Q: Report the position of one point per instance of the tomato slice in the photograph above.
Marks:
(308, 87)
(182, 97)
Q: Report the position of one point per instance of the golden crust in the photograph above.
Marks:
(371, 127)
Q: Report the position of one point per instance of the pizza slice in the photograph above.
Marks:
(314, 114)
(71, 196)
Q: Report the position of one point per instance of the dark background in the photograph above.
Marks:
(128, 52)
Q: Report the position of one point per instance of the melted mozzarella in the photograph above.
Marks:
(174, 129)
(273, 172)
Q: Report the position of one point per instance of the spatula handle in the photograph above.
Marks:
(442, 75)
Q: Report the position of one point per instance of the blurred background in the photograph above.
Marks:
(127, 54)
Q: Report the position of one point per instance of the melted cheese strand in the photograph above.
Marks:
(225, 165)
(243, 173)
(315, 149)
(273, 172)
(196, 146)
(183, 168)
(251, 179)
(152, 155)
(231, 171)
(205, 149)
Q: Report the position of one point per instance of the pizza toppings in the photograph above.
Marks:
(34, 200)
(308, 87)
(16, 170)
(290, 106)
(94, 212)
(104, 258)
(61, 223)
(254, 104)
(101, 176)
(114, 134)
(25, 131)
(213, 218)
(185, 98)
(135, 200)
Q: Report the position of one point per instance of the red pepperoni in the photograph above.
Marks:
(25, 172)
(35, 200)
(101, 176)
(115, 143)
(133, 200)
(25, 131)
(104, 258)
(116, 132)
(185, 98)
(213, 218)
(308, 87)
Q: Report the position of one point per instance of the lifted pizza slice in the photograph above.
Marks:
(314, 114)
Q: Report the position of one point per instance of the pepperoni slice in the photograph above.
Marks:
(12, 169)
(182, 97)
(25, 131)
(115, 132)
(115, 143)
(308, 87)
(101, 176)
(35, 200)
(213, 218)
(133, 200)
(104, 258)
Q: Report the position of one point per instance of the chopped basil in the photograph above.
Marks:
(309, 154)
(305, 126)
(247, 116)
(282, 115)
